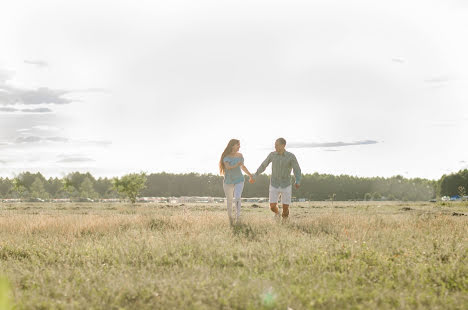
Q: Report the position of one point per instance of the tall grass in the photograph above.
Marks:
(346, 255)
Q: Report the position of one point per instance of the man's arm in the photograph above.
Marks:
(297, 171)
(263, 166)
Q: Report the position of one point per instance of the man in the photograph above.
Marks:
(280, 181)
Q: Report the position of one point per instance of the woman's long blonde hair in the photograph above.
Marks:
(227, 151)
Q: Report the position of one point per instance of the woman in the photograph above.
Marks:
(230, 166)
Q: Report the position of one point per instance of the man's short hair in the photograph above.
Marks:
(281, 140)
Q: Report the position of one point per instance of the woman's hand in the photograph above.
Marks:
(251, 180)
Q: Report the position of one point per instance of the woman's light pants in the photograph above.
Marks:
(233, 192)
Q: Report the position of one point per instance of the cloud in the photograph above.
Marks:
(462, 162)
(8, 109)
(34, 139)
(445, 124)
(3, 162)
(398, 60)
(38, 63)
(56, 139)
(28, 139)
(38, 128)
(33, 136)
(37, 110)
(45, 128)
(331, 150)
(90, 90)
(441, 79)
(14, 99)
(452, 122)
(10, 95)
(98, 142)
(329, 144)
(74, 160)
(34, 110)
(43, 95)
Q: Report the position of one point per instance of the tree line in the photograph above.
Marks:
(453, 184)
(315, 186)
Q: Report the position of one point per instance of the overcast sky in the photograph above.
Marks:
(366, 88)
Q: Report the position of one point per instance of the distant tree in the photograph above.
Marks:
(37, 189)
(5, 187)
(87, 190)
(257, 189)
(54, 187)
(313, 186)
(462, 192)
(104, 188)
(19, 188)
(75, 179)
(28, 178)
(68, 187)
(130, 185)
(376, 196)
(448, 184)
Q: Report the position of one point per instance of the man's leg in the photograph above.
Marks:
(285, 211)
(274, 195)
(286, 200)
(274, 208)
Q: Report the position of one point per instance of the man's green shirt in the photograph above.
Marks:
(282, 164)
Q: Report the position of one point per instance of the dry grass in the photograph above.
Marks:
(328, 256)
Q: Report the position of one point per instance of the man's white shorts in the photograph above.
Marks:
(284, 193)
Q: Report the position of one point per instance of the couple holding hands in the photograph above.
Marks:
(283, 162)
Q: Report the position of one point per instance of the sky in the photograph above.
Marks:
(364, 88)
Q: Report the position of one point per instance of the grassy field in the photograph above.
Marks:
(352, 255)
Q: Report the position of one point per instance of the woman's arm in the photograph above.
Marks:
(244, 168)
(229, 167)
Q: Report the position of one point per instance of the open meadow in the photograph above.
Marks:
(341, 255)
